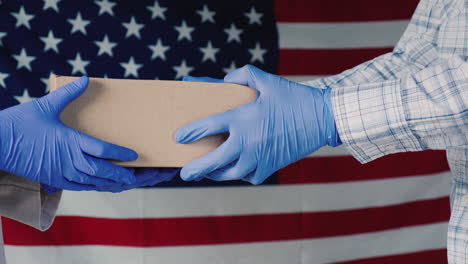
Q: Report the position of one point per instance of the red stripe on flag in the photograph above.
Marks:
(324, 61)
(436, 256)
(343, 11)
(346, 168)
(69, 230)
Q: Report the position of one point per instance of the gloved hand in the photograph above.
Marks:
(35, 144)
(287, 122)
(147, 177)
(144, 177)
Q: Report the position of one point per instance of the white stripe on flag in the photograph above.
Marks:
(331, 152)
(317, 251)
(208, 201)
(303, 78)
(340, 35)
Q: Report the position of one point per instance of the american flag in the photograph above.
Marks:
(327, 208)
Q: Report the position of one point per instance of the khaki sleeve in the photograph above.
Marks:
(25, 201)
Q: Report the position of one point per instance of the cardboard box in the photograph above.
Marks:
(144, 115)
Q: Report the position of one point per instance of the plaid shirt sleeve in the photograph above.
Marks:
(424, 110)
(407, 100)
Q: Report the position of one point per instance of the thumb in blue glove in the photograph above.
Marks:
(287, 122)
(35, 144)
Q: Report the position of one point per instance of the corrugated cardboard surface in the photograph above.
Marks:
(144, 115)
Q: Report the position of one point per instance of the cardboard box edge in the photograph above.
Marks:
(53, 82)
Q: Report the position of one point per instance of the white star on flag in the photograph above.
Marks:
(3, 76)
(2, 35)
(133, 28)
(78, 64)
(23, 60)
(105, 46)
(51, 4)
(159, 50)
(157, 11)
(233, 33)
(25, 97)
(257, 53)
(254, 17)
(231, 68)
(184, 31)
(182, 70)
(105, 7)
(79, 24)
(51, 42)
(131, 68)
(22, 18)
(209, 52)
(45, 81)
(206, 14)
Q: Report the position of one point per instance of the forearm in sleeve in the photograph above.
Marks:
(25, 201)
(424, 110)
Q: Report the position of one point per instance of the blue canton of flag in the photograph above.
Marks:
(143, 39)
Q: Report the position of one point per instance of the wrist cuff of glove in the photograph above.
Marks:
(333, 139)
(49, 189)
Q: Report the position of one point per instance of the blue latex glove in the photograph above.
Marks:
(287, 122)
(148, 177)
(144, 177)
(35, 144)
